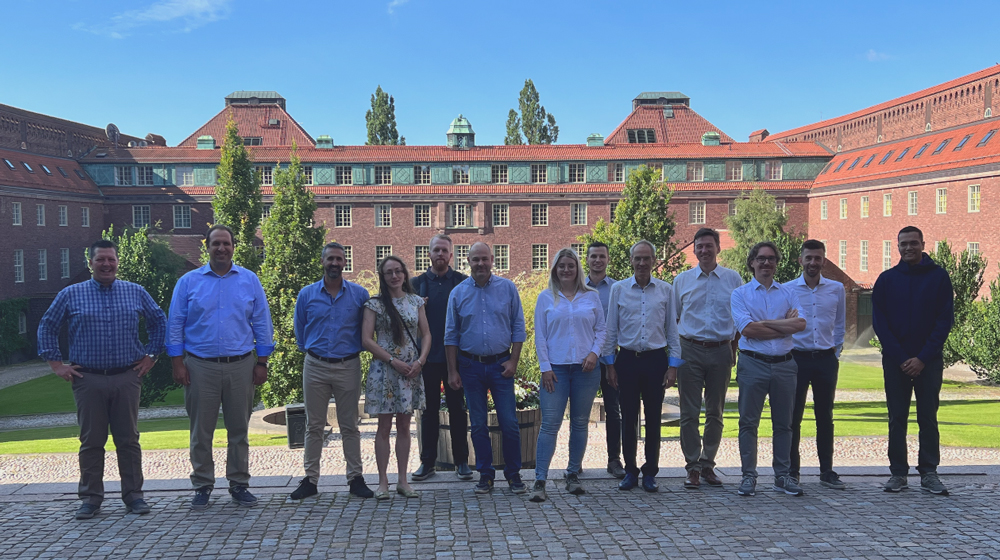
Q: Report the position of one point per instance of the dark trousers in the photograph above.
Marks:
(899, 389)
(640, 379)
(102, 401)
(430, 422)
(613, 417)
(821, 374)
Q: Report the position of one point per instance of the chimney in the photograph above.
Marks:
(206, 143)
(595, 140)
(324, 142)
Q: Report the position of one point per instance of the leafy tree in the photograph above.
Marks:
(981, 351)
(381, 121)
(11, 339)
(538, 126)
(237, 202)
(758, 219)
(966, 271)
(291, 261)
(513, 130)
(643, 213)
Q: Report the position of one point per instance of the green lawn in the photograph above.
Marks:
(860, 377)
(51, 393)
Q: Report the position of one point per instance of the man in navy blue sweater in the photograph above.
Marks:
(912, 313)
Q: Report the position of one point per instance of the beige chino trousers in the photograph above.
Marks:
(320, 381)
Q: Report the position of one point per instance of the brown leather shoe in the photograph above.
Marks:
(710, 477)
(692, 482)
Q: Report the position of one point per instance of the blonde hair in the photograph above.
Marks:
(581, 286)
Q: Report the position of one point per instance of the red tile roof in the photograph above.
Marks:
(685, 126)
(39, 179)
(970, 155)
(252, 120)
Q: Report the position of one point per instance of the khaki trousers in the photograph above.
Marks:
(230, 385)
(708, 371)
(320, 381)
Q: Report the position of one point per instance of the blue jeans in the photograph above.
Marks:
(477, 378)
(580, 388)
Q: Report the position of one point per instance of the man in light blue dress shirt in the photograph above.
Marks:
(218, 318)
(483, 334)
(766, 313)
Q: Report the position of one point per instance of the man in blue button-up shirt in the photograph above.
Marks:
(218, 317)
(107, 362)
(483, 333)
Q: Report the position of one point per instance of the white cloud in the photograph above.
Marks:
(874, 56)
(395, 4)
(177, 16)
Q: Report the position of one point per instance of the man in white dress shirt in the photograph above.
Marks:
(708, 348)
(766, 313)
(816, 352)
(642, 323)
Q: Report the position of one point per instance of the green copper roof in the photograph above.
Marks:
(659, 94)
(460, 125)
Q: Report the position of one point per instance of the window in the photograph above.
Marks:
(460, 215)
(144, 175)
(902, 154)
(343, 175)
(696, 212)
(19, 266)
(501, 215)
(734, 170)
(886, 157)
(460, 174)
(498, 173)
(657, 167)
(613, 209)
(28, 167)
(123, 175)
(421, 215)
(577, 173)
(864, 206)
(383, 215)
(9, 164)
(182, 216)
(986, 138)
(842, 257)
(823, 210)
(253, 141)
(578, 211)
(266, 174)
(62, 171)
(841, 164)
(539, 173)
(140, 215)
(772, 170)
(732, 207)
(43, 264)
(779, 205)
(501, 257)
(342, 215)
(843, 209)
(539, 257)
(462, 258)
(972, 247)
(863, 255)
(63, 215)
(619, 173)
(641, 136)
(40, 214)
(912, 203)
(940, 147)
(307, 175)
(22, 323)
(185, 176)
(942, 201)
(887, 204)
(265, 211)
(695, 171)
(381, 252)
(383, 175)
(85, 217)
(920, 152)
(869, 161)
(15, 213)
(348, 258)
(974, 198)
(854, 163)
(886, 255)
(579, 249)
(421, 174)
(961, 143)
(64, 263)
(540, 214)
(422, 257)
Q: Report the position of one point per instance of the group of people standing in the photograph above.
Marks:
(632, 338)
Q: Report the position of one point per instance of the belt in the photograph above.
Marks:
(108, 371)
(815, 354)
(223, 359)
(706, 344)
(333, 360)
(485, 359)
(638, 353)
(767, 358)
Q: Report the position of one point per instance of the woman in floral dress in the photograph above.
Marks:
(395, 331)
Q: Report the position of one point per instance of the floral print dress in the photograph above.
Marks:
(386, 391)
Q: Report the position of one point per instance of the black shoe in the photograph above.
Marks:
(629, 482)
(200, 500)
(305, 489)
(463, 472)
(423, 473)
(138, 507)
(485, 485)
(615, 469)
(242, 496)
(87, 511)
(359, 488)
(516, 486)
(649, 484)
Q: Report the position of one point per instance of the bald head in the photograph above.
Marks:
(481, 262)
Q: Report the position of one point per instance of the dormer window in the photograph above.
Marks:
(253, 141)
(641, 136)
(9, 164)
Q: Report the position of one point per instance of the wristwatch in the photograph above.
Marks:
(391, 359)
(262, 364)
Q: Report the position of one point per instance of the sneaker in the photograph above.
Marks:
(423, 473)
(138, 507)
(200, 500)
(649, 484)
(516, 486)
(895, 484)
(615, 469)
(748, 487)
(538, 492)
(831, 480)
(930, 482)
(573, 485)
(485, 485)
(463, 472)
(359, 488)
(306, 488)
(629, 482)
(788, 485)
(87, 511)
(242, 496)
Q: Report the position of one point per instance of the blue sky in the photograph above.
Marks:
(164, 66)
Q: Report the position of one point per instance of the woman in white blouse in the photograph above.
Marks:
(569, 333)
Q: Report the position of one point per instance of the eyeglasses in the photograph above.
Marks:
(394, 272)
(764, 260)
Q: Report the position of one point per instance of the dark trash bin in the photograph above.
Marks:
(295, 425)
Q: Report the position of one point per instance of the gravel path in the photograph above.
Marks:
(19, 373)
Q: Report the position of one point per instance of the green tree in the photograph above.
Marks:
(643, 213)
(759, 219)
(981, 352)
(11, 339)
(237, 201)
(154, 266)
(381, 121)
(966, 271)
(292, 247)
(538, 126)
(513, 137)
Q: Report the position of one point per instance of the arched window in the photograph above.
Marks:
(927, 128)
(988, 114)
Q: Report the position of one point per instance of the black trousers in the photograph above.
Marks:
(640, 379)
(821, 374)
(899, 389)
(613, 417)
(434, 375)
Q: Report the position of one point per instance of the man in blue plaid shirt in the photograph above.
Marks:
(107, 362)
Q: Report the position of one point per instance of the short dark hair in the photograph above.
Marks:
(101, 244)
(217, 227)
(813, 244)
(756, 249)
(333, 245)
(911, 229)
(597, 245)
(707, 231)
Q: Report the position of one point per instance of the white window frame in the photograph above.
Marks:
(696, 211)
(865, 206)
(19, 266)
(842, 255)
(348, 258)
(266, 175)
(15, 213)
(911, 203)
(40, 215)
(843, 208)
(460, 215)
(461, 174)
(22, 323)
(772, 169)
(421, 174)
(185, 176)
(421, 257)
(972, 247)
(64, 263)
(343, 215)
(886, 254)
(780, 206)
(343, 175)
(941, 201)
(539, 214)
(886, 204)
(501, 214)
(421, 215)
(975, 198)
(612, 210)
(498, 173)
(578, 214)
(63, 215)
(383, 215)
(734, 170)
(43, 265)
(123, 176)
(144, 211)
(577, 173)
(144, 176)
(539, 173)
(619, 173)
(383, 174)
(501, 258)
(381, 252)
(85, 216)
(731, 210)
(461, 256)
(695, 171)
(823, 210)
(863, 256)
(539, 256)
(307, 175)
(182, 216)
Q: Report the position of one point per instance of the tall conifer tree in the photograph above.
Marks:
(237, 202)
(381, 121)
